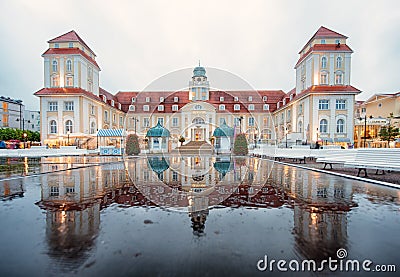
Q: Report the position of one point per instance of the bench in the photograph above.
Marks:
(336, 157)
(294, 154)
(375, 158)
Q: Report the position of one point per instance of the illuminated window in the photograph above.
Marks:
(338, 78)
(324, 79)
(69, 81)
(55, 81)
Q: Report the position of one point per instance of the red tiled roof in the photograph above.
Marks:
(273, 96)
(70, 51)
(324, 48)
(70, 36)
(323, 32)
(69, 91)
(329, 89)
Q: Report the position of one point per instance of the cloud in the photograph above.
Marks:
(138, 41)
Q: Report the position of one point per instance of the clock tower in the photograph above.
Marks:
(199, 86)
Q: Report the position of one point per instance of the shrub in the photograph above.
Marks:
(132, 145)
(240, 146)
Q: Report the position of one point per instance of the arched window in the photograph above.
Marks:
(339, 62)
(68, 126)
(323, 126)
(340, 126)
(92, 127)
(198, 120)
(53, 127)
(300, 127)
(69, 65)
(324, 78)
(55, 66)
(338, 78)
(323, 62)
(197, 107)
(55, 81)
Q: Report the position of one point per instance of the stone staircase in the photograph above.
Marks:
(194, 148)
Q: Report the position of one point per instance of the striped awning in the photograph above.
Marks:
(111, 133)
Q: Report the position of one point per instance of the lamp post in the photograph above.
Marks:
(22, 120)
(135, 120)
(365, 128)
(240, 123)
(68, 132)
(286, 133)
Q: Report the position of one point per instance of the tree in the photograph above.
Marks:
(388, 133)
(240, 145)
(132, 145)
(182, 140)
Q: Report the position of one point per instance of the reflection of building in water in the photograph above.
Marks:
(13, 188)
(72, 202)
(198, 219)
(320, 210)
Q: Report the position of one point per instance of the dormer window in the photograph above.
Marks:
(266, 107)
(236, 107)
(70, 45)
(104, 99)
(236, 98)
(323, 41)
(119, 106)
(161, 99)
(251, 107)
(250, 98)
(337, 41)
(112, 103)
(221, 99)
(131, 108)
(147, 99)
(160, 108)
(278, 104)
(284, 101)
(222, 107)
(175, 108)
(133, 99)
(265, 98)
(56, 45)
(176, 99)
(291, 97)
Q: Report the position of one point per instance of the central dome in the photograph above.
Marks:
(199, 71)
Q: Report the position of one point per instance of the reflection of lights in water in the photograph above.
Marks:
(63, 215)
(26, 165)
(314, 215)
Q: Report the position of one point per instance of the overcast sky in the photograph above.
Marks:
(138, 41)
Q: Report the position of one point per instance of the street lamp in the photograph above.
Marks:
(365, 127)
(25, 140)
(68, 132)
(286, 133)
(135, 120)
(240, 123)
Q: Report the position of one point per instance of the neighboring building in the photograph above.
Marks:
(320, 107)
(379, 110)
(72, 105)
(32, 120)
(11, 113)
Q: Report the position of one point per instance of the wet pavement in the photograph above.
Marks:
(193, 216)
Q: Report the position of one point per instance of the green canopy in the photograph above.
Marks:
(223, 131)
(158, 131)
(158, 164)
